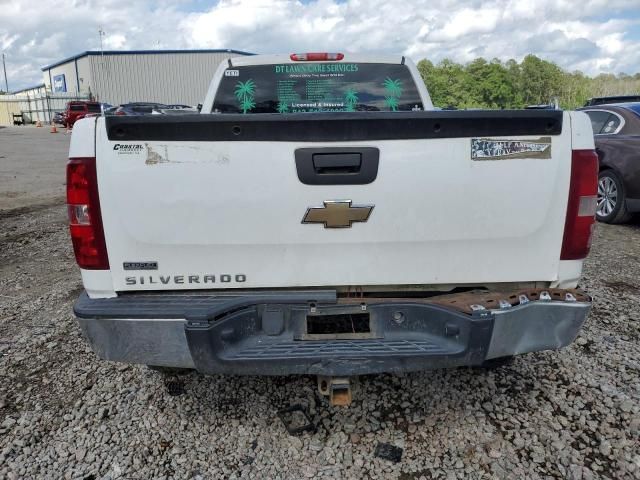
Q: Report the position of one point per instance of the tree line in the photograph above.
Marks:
(534, 81)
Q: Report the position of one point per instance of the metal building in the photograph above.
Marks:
(116, 77)
(32, 104)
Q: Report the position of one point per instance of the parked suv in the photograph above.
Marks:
(77, 110)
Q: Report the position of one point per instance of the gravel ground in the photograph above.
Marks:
(31, 166)
(65, 414)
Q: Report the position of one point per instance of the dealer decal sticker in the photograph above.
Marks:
(493, 149)
(127, 149)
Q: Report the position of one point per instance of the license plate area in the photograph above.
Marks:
(337, 326)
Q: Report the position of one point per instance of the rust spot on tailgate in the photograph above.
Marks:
(490, 300)
(154, 158)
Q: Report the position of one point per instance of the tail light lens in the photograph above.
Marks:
(581, 208)
(316, 57)
(85, 221)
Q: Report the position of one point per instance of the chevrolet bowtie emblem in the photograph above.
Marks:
(337, 214)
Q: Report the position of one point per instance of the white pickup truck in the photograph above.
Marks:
(319, 216)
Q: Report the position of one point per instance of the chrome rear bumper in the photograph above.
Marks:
(264, 333)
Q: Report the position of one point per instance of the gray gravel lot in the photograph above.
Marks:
(65, 414)
(30, 166)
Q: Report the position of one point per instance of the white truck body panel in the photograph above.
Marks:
(236, 208)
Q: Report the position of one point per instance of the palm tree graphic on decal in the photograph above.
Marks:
(393, 91)
(244, 94)
(351, 99)
(282, 107)
(392, 103)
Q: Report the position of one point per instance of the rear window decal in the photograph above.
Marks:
(317, 87)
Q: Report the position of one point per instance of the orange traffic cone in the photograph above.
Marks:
(53, 128)
(38, 123)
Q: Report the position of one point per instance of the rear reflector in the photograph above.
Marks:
(316, 57)
(581, 207)
(85, 221)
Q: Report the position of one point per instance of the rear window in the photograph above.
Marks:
(598, 119)
(76, 108)
(94, 107)
(317, 87)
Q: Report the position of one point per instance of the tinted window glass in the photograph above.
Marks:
(94, 107)
(598, 119)
(317, 87)
(76, 108)
(634, 108)
(611, 124)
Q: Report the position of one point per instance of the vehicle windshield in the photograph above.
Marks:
(317, 87)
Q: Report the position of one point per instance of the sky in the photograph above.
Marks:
(593, 36)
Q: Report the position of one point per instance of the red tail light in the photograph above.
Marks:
(316, 57)
(85, 221)
(581, 208)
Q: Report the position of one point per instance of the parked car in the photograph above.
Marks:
(58, 118)
(179, 107)
(175, 110)
(612, 99)
(139, 108)
(327, 256)
(80, 109)
(616, 128)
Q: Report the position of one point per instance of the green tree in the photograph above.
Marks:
(540, 80)
(484, 84)
(449, 85)
(490, 85)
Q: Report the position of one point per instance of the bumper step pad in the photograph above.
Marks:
(348, 348)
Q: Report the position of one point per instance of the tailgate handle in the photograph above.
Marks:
(337, 165)
(332, 163)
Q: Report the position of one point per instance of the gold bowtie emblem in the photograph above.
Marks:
(337, 214)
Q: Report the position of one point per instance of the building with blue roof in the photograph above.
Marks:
(116, 77)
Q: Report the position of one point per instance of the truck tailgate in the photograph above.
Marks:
(217, 202)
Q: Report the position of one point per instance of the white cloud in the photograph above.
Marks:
(115, 42)
(590, 35)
